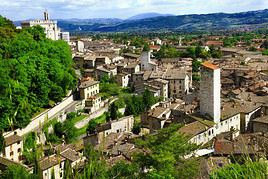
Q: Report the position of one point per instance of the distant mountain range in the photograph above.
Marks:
(167, 22)
(147, 16)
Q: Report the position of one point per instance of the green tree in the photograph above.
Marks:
(95, 166)
(148, 99)
(136, 128)
(196, 65)
(2, 142)
(113, 111)
(124, 170)
(166, 148)
(237, 171)
(91, 129)
(35, 72)
(146, 47)
(17, 172)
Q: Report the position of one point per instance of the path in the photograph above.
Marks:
(94, 115)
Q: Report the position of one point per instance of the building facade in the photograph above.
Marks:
(50, 28)
(210, 90)
(89, 89)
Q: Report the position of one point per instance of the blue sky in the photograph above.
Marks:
(33, 9)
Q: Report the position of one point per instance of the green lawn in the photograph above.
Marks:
(78, 118)
(101, 119)
(81, 131)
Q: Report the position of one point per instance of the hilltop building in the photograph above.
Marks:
(50, 27)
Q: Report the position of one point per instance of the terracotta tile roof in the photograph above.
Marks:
(155, 47)
(211, 42)
(210, 66)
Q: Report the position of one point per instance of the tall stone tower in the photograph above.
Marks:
(210, 91)
(46, 16)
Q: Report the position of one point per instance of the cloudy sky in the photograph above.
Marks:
(62, 9)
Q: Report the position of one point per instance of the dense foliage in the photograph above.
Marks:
(137, 104)
(166, 148)
(236, 171)
(17, 172)
(167, 52)
(162, 158)
(35, 73)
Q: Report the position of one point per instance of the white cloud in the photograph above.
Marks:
(21, 9)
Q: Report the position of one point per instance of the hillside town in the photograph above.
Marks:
(216, 93)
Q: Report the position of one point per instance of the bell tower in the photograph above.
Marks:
(46, 15)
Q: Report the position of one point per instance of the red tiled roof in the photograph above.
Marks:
(210, 65)
(156, 47)
(214, 42)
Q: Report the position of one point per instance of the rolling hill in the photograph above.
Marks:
(187, 23)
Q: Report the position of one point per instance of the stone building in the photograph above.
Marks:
(122, 125)
(13, 147)
(146, 63)
(88, 89)
(50, 27)
(210, 90)
(260, 124)
(179, 82)
(52, 167)
(123, 79)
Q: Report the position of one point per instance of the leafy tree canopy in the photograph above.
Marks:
(34, 71)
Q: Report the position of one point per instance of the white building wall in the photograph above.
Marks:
(210, 90)
(89, 91)
(51, 30)
(57, 171)
(217, 95)
(248, 116)
(124, 125)
(42, 118)
(223, 126)
(146, 64)
(14, 148)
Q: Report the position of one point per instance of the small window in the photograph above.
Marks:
(11, 153)
(117, 130)
(18, 143)
(226, 122)
(19, 150)
(209, 133)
